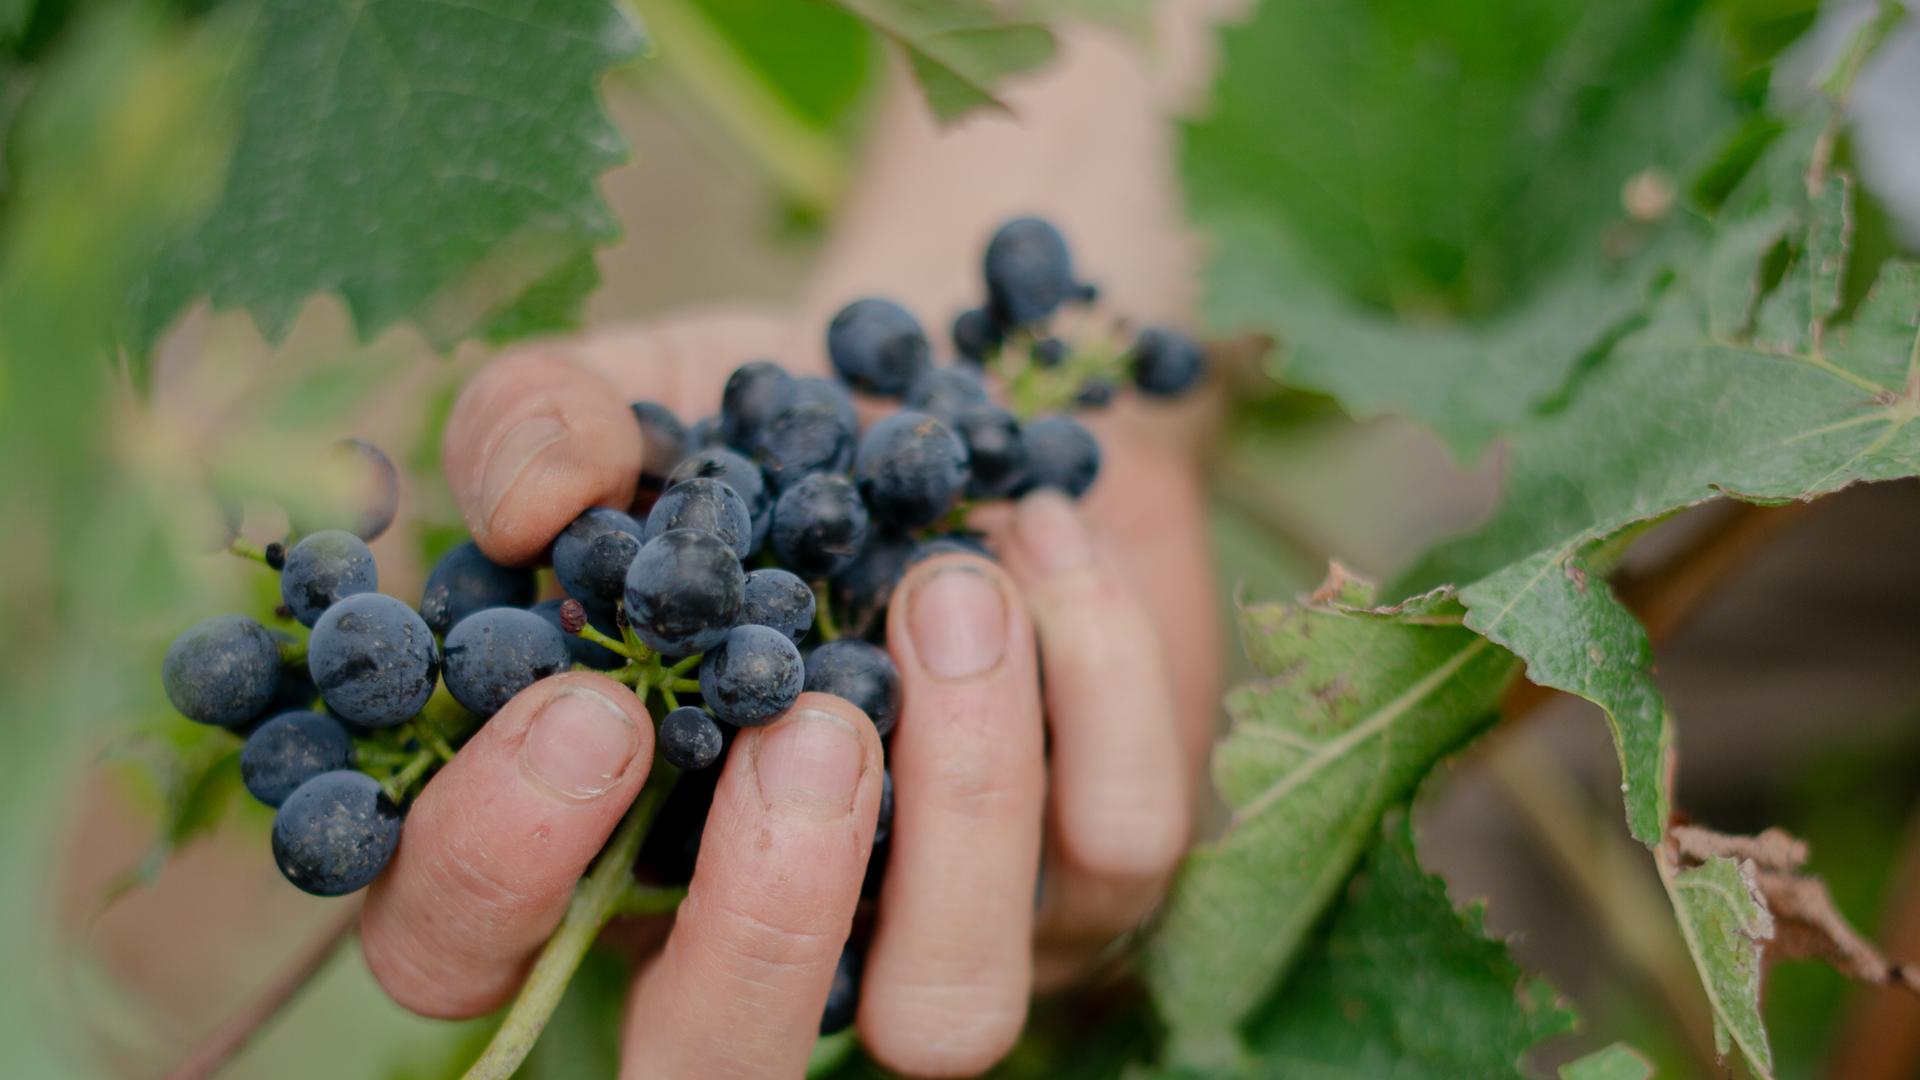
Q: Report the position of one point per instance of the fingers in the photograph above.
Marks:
(948, 972)
(1119, 803)
(497, 840)
(740, 986)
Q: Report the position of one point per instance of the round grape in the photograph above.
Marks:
(877, 346)
(704, 505)
(1029, 272)
(755, 394)
(591, 554)
(335, 833)
(1096, 393)
(752, 676)
(689, 739)
(291, 749)
(911, 468)
(591, 653)
(465, 581)
(996, 455)
(703, 434)
(223, 670)
(663, 440)
(829, 392)
(1048, 352)
(1165, 363)
(743, 476)
(373, 659)
(859, 673)
(494, 654)
(944, 393)
(862, 588)
(684, 591)
(779, 600)
(321, 569)
(358, 487)
(1061, 454)
(976, 334)
(806, 437)
(819, 525)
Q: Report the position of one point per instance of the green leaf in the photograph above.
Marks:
(1373, 172)
(197, 770)
(1357, 705)
(960, 50)
(1726, 925)
(1403, 986)
(426, 161)
(1616, 1062)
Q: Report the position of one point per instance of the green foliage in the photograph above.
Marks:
(1356, 705)
(1616, 1062)
(960, 50)
(1725, 922)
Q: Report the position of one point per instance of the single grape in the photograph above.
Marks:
(976, 334)
(805, 437)
(590, 653)
(755, 394)
(358, 489)
(911, 468)
(996, 455)
(703, 434)
(335, 833)
(1165, 363)
(684, 591)
(819, 525)
(862, 588)
(704, 505)
(883, 824)
(829, 392)
(222, 670)
(743, 476)
(877, 346)
(945, 392)
(843, 994)
(690, 739)
(374, 660)
(1060, 454)
(1029, 272)
(321, 569)
(860, 673)
(1096, 393)
(777, 599)
(291, 749)
(663, 440)
(591, 554)
(1048, 352)
(494, 654)
(465, 581)
(752, 676)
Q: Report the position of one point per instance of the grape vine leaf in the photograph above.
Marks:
(1616, 1062)
(425, 160)
(1356, 706)
(1436, 163)
(1726, 925)
(960, 50)
(1402, 985)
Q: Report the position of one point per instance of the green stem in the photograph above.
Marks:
(687, 665)
(672, 699)
(823, 613)
(402, 782)
(638, 899)
(595, 900)
(246, 549)
(682, 686)
(605, 642)
(293, 652)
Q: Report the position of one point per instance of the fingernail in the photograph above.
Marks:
(958, 622)
(809, 765)
(1051, 532)
(511, 455)
(579, 745)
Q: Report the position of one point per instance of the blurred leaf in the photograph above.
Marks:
(1616, 1062)
(1358, 703)
(426, 161)
(1726, 927)
(199, 776)
(960, 50)
(817, 57)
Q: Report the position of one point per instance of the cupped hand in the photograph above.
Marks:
(992, 770)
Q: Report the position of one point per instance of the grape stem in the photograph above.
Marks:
(609, 643)
(598, 897)
(823, 613)
(247, 549)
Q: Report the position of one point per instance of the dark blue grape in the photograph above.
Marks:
(321, 569)
(911, 468)
(1061, 454)
(465, 581)
(806, 437)
(862, 589)
(684, 591)
(1048, 352)
(819, 525)
(755, 394)
(883, 824)
(1165, 363)
(843, 994)
(703, 434)
(859, 673)
(743, 476)
(946, 392)
(778, 599)
(752, 676)
(373, 659)
(704, 505)
(690, 739)
(591, 554)
(996, 455)
(361, 492)
(291, 749)
(1096, 393)
(223, 670)
(592, 654)
(663, 441)
(829, 392)
(1029, 272)
(494, 654)
(976, 334)
(877, 346)
(335, 833)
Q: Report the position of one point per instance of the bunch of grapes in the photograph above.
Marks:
(756, 564)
